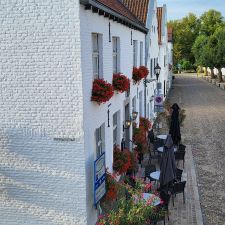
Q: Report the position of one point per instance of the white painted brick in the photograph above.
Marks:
(41, 98)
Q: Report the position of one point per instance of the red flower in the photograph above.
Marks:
(145, 123)
(144, 71)
(121, 160)
(120, 82)
(101, 91)
(139, 73)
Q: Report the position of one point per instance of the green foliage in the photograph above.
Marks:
(197, 48)
(210, 21)
(199, 41)
(185, 32)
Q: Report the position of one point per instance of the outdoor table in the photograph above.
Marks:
(155, 175)
(161, 149)
(162, 136)
(155, 200)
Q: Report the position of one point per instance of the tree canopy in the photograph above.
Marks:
(200, 41)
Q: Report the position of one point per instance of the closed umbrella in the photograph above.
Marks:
(175, 125)
(168, 164)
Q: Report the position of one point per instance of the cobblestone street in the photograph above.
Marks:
(204, 132)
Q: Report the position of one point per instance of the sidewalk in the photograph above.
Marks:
(190, 212)
(213, 81)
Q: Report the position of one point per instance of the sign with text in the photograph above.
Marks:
(158, 108)
(158, 100)
(99, 178)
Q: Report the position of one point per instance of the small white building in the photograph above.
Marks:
(163, 49)
(50, 131)
(170, 54)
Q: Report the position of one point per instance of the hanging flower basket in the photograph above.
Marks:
(139, 74)
(101, 91)
(143, 70)
(120, 82)
(136, 76)
(145, 123)
(121, 160)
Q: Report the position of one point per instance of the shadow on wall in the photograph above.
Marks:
(40, 180)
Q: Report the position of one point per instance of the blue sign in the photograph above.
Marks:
(99, 178)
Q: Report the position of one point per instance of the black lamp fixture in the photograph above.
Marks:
(127, 124)
(134, 115)
(157, 70)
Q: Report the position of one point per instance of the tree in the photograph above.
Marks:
(217, 44)
(200, 56)
(210, 21)
(185, 32)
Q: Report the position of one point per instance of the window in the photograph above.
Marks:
(141, 53)
(116, 128)
(151, 67)
(135, 52)
(97, 55)
(148, 113)
(134, 104)
(100, 140)
(140, 104)
(116, 54)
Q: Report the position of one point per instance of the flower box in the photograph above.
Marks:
(139, 74)
(102, 91)
(120, 82)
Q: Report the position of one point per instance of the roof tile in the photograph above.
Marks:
(139, 8)
(159, 19)
(120, 8)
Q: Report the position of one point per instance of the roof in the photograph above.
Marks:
(139, 8)
(170, 34)
(120, 8)
(116, 10)
(159, 19)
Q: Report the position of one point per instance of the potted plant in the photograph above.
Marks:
(120, 82)
(102, 91)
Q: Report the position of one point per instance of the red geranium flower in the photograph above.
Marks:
(120, 82)
(101, 91)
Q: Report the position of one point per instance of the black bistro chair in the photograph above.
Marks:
(180, 156)
(149, 169)
(179, 173)
(163, 207)
(178, 188)
(181, 147)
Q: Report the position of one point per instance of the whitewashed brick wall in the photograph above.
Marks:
(42, 180)
(94, 114)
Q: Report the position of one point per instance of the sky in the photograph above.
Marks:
(177, 9)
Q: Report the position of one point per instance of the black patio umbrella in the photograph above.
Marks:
(175, 124)
(168, 164)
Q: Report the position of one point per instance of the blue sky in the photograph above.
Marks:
(176, 9)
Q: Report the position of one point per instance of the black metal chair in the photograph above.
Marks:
(177, 189)
(149, 169)
(181, 147)
(180, 156)
(179, 173)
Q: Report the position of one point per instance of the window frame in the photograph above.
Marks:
(135, 53)
(116, 53)
(100, 140)
(97, 56)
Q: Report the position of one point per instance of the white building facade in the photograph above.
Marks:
(50, 131)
